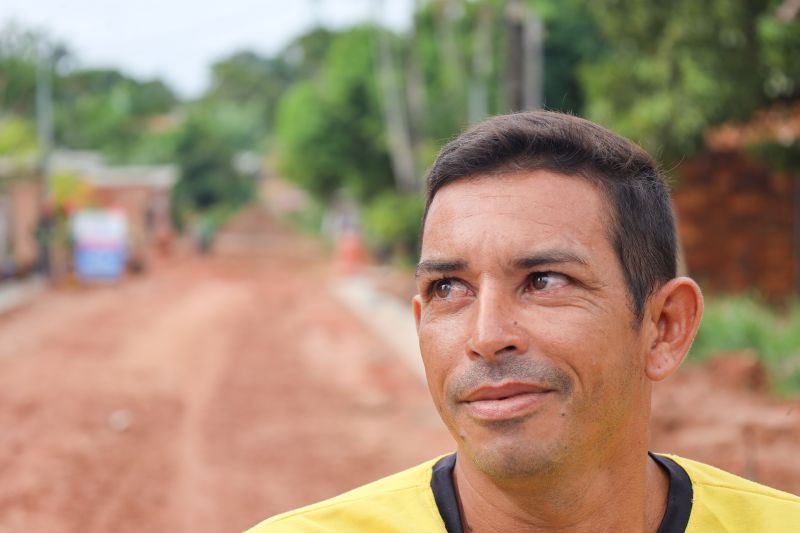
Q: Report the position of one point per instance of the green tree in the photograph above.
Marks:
(103, 109)
(307, 141)
(249, 86)
(330, 130)
(208, 179)
(572, 39)
(393, 223)
(676, 68)
(17, 137)
(19, 52)
(246, 87)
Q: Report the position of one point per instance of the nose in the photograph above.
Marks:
(495, 329)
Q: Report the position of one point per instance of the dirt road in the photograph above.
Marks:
(216, 391)
(202, 397)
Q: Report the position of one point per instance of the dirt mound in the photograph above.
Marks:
(720, 414)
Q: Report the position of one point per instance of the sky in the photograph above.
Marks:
(177, 40)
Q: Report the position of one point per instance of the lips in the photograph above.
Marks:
(506, 400)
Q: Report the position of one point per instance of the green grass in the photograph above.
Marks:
(742, 322)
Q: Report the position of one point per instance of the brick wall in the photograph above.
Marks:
(735, 220)
(25, 199)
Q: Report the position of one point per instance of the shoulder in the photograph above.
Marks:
(725, 502)
(400, 502)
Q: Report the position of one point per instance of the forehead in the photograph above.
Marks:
(531, 209)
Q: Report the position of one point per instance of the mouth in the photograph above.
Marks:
(506, 401)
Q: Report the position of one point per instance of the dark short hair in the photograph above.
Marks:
(643, 228)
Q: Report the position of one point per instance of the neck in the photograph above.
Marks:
(624, 493)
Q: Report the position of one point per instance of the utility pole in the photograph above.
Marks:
(316, 10)
(415, 89)
(44, 113)
(796, 230)
(534, 61)
(450, 12)
(401, 150)
(515, 68)
(44, 130)
(525, 58)
(481, 66)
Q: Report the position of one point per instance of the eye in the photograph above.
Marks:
(447, 288)
(442, 288)
(541, 281)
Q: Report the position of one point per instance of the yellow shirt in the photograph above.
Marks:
(405, 502)
(724, 502)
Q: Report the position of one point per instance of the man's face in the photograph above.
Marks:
(525, 326)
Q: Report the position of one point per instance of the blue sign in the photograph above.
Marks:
(101, 247)
(100, 263)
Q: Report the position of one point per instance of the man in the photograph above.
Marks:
(548, 305)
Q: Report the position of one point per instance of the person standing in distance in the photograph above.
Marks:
(548, 304)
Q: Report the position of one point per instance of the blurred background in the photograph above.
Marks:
(209, 220)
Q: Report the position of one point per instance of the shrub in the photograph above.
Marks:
(392, 224)
(740, 322)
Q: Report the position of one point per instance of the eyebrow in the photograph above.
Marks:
(547, 257)
(433, 266)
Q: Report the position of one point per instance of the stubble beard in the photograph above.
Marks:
(511, 449)
(515, 454)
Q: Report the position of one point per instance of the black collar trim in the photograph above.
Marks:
(444, 492)
(676, 516)
(679, 498)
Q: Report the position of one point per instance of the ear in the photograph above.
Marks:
(673, 314)
(416, 304)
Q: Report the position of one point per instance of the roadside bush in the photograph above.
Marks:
(392, 224)
(17, 137)
(740, 323)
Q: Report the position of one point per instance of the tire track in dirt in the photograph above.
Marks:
(190, 340)
(203, 397)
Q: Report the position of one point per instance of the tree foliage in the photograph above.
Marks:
(330, 129)
(393, 223)
(207, 178)
(673, 69)
(99, 109)
(572, 38)
(105, 110)
(20, 49)
(17, 138)
(661, 73)
(246, 87)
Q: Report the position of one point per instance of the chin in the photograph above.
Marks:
(510, 458)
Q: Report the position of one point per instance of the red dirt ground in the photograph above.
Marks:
(215, 391)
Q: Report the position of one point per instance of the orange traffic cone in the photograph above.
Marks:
(349, 255)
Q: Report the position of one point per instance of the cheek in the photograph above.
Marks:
(435, 345)
(596, 351)
(441, 347)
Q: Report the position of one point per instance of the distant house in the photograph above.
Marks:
(142, 192)
(20, 198)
